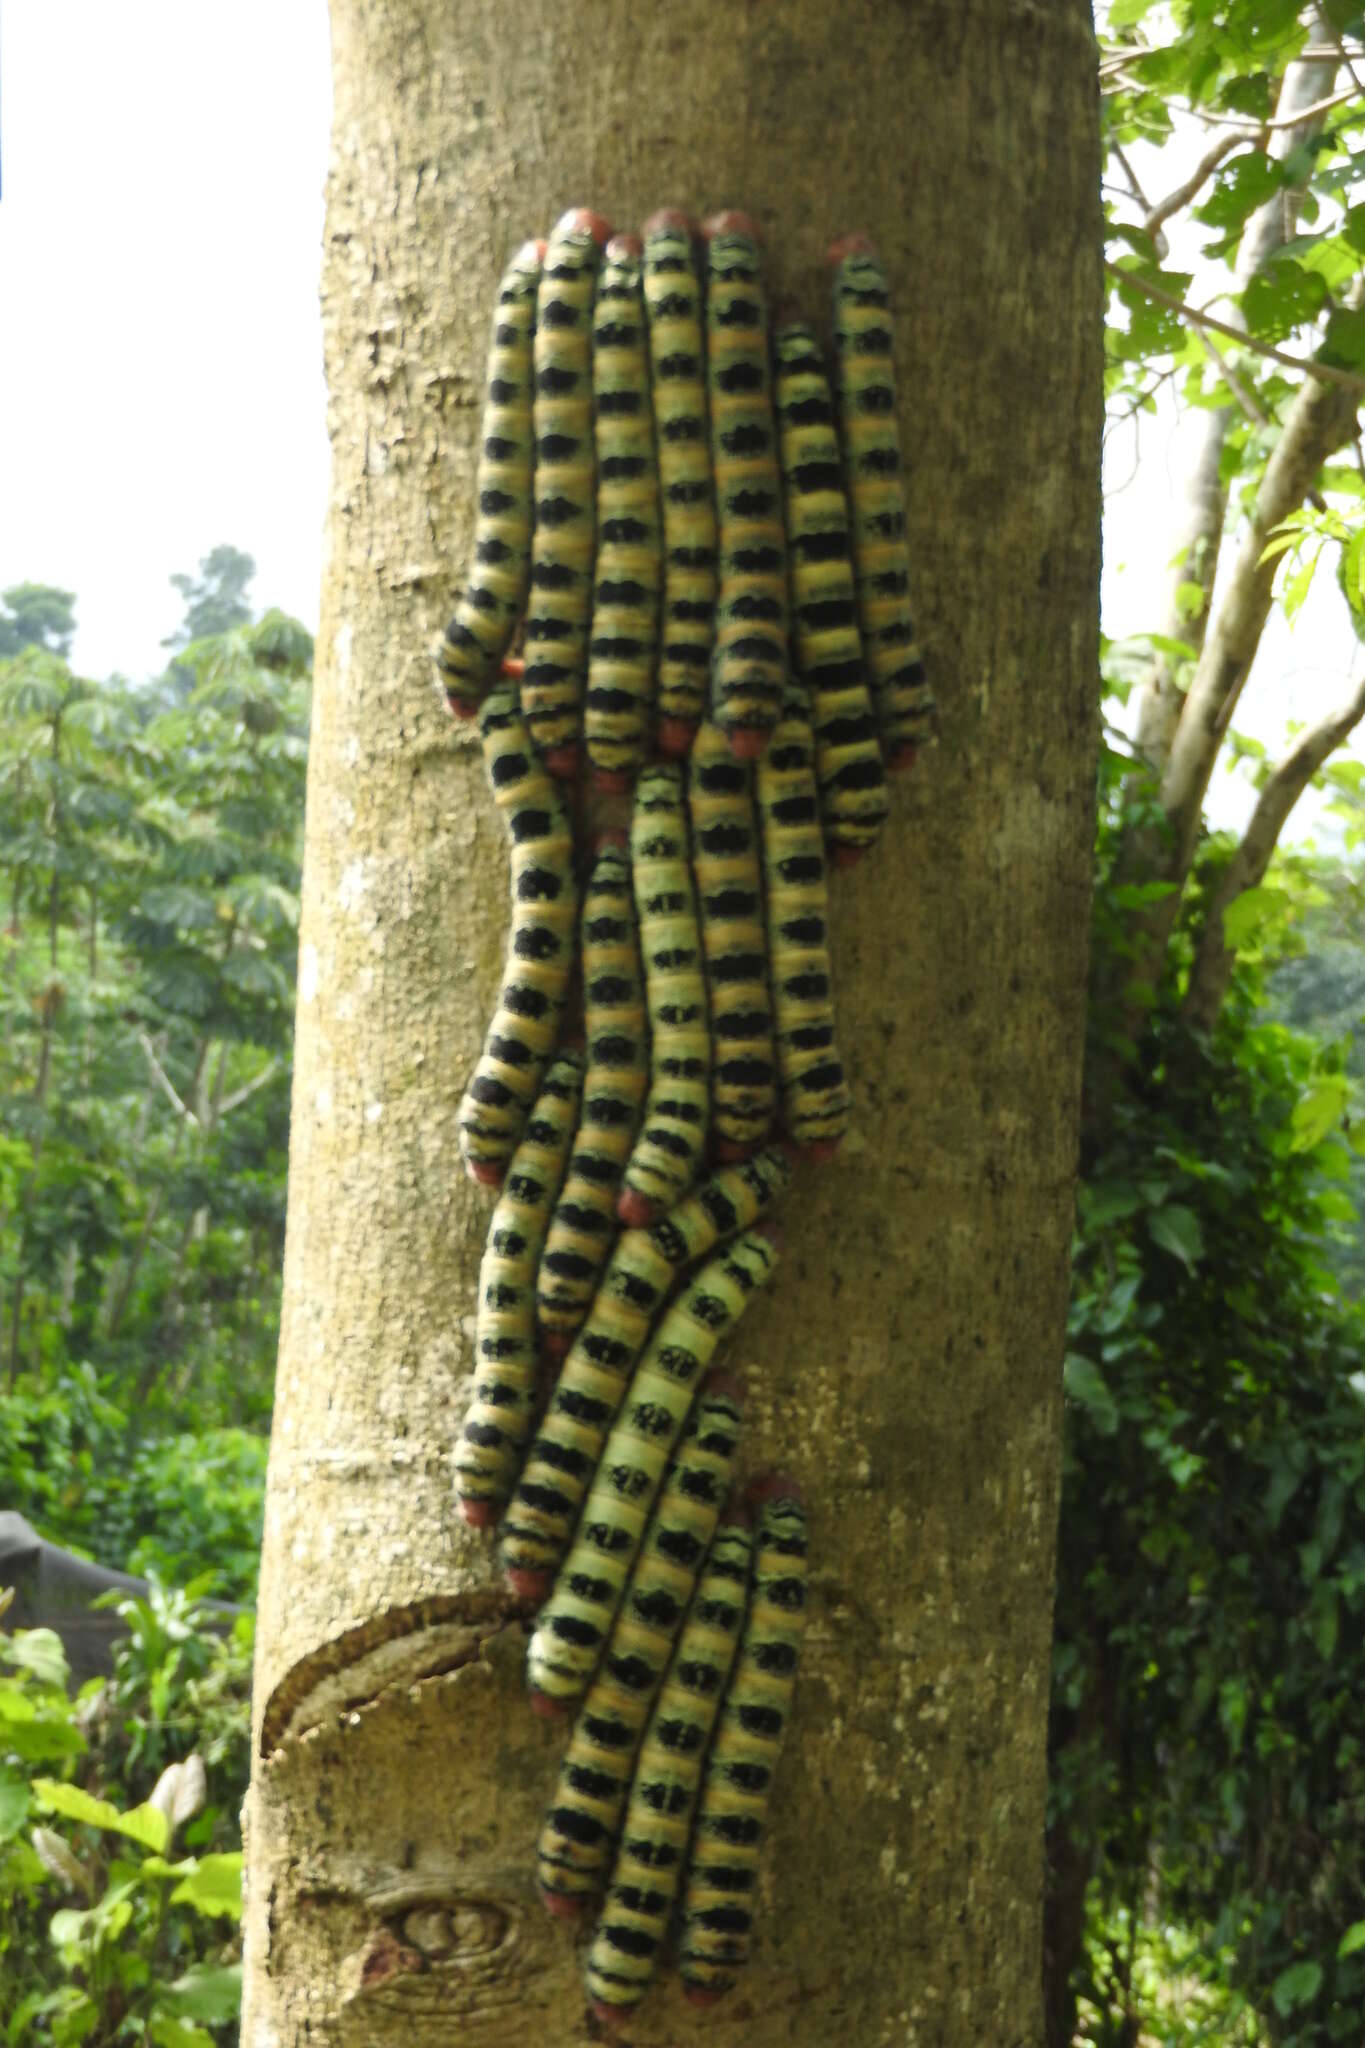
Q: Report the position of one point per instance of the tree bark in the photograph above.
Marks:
(908, 1362)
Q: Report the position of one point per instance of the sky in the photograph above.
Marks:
(161, 382)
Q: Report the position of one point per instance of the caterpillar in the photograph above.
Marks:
(668, 1151)
(585, 1814)
(584, 1220)
(749, 664)
(574, 1621)
(718, 1900)
(645, 1880)
(881, 559)
(829, 655)
(625, 605)
(725, 858)
(499, 1418)
(677, 356)
(479, 633)
(564, 534)
(539, 1523)
(815, 1098)
(525, 1025)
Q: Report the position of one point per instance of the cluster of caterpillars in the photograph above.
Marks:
(699, 549)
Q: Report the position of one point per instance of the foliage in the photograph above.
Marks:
(36, 615)
(1211, 1599)
(215, 601)
(120, 1862)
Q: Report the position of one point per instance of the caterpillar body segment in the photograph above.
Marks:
(486, 613)
(629, 568)
(749, 665)
(564, 534)
(719, 1899)
(728, 869)
(641, 1273)
(540, 952)
(828, 651)
(881, 560)
(575, 1621)
(584, 1819)
(647, 1875)
(668, 1152)
(584, 1223)
(815, 1096)
(498, 1423)
(677, 355)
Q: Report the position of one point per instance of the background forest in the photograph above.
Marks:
(1207, 1757)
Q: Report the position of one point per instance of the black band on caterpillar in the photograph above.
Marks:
(677, 353)
(625, 604)
(584, 1222)
(539, 1524)
(540, 946)
(649, 1865)
(829, 653)
(584, 1819)
(728, 868)
(668, 1151)
(722, 1872)
(564, 538)
(498, 1422)
(486, 614)
(749, 664)
(815, 1098)
(574, 1622)
(881, 560)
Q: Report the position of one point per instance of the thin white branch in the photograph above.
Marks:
(1207, 164)
(241, 1095)
(1325, 373)
(164, 1081)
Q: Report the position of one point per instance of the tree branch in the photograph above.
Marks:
(1213, 963)
(1207, 163)
(1309, 366)
(1251, 128)
(164, 1081)
(240, 1095)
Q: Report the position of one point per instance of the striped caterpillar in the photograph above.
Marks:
(575, 1620)
(581, 1826)
(815, 1098)
(643, 1270)
(499, 1418)
(668, 1151)
(525, 1025)
(718, 1903)
(625, 606)
(479, 634)
(614, 1019)
(725, 858)
(881, 559)
(564, 536)
(750, 661)
(848, 759)
(677, 356)
(645, 1881)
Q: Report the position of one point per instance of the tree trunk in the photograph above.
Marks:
(907, 1364)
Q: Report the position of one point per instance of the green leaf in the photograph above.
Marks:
(1351, 1940)
(143, 1824)
(1247, 913)
(40, 1651)
(1295, 1986)
(206, 1992)
(15, 1803)
(1282, 297)
(1176, 1229)
(1085, 1384)
(215, 1886)
(1318, 1111)
(173, 2033)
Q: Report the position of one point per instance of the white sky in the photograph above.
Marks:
(160, 351)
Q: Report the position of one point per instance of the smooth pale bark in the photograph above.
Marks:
(907, 1365)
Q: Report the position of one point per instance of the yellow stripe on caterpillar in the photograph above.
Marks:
(486, 614)
(506, 1360)
(642, 1271)
(573, 1624)
(540, 948)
